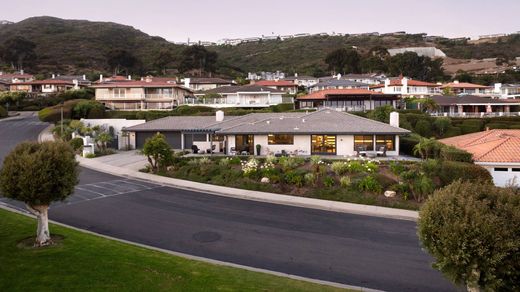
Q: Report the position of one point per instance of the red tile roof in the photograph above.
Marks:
(322, 94)
(411, 82)
(463, 85)
(502, 146)
(275, 83)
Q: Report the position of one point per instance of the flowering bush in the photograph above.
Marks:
(250, 167)
(369, 184)
(290, 163)
(317, 163)
(371, 166)
(345, 181)
(355, 166)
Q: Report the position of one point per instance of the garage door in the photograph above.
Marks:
(173, 138)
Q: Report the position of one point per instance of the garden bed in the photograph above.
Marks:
(362, 181)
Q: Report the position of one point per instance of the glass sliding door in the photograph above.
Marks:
(323, 144)
(244, 143)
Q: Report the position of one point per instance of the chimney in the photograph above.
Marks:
(219, 116)
(129, 77)
(100, 77)
(187, 82)
(76, 83)
(53, 76)
(21, 71)
(295, 74)
(456, 81)
(84, 77)
(394, 119)
(338, 76)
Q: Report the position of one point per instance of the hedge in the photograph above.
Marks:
(53, 114)
(498, 126)
(453, 170)
(454, 154)
(452, 131)
(3, 112)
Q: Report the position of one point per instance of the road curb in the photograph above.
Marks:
(311, 203)
(202, 259)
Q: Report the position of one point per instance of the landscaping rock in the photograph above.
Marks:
(390, 194)
(265, 180)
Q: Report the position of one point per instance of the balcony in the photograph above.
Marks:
(476, 115)
(138, 96)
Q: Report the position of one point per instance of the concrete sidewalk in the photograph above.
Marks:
(115, 165)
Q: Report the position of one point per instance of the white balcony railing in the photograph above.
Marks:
(476, 115)
(137, 96)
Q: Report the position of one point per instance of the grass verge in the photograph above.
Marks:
(84, 262)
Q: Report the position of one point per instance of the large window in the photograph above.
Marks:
(385, 140)
(323, 144)
(119, 92)
(280, 139)
(366, 142)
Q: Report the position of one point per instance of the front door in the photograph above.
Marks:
(244, 143)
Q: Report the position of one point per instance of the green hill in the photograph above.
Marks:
(79, 46)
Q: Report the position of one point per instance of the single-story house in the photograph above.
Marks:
(201, 84)
(497, 150)
(347, 99)
(45, 86)
(323, 132)
(16, 77)
(245, 96)
(304, 81)
(475, 106)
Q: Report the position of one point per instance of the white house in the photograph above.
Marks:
(324, 132)
(497, 150)
(247, 96)
(408, 87)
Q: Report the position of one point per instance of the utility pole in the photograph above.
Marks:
(61, 119)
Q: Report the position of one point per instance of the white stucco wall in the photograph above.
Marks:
(345, 145)
(503, 178)
(301, 143)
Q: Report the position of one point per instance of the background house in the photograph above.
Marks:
(457, 87)
(408, 87)
(288, 87)
(201, 84)
(475, 106)
(337, 84)
(347, 99)
(247, 96)
(498, 151)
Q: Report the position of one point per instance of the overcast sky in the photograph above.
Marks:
(213, 20)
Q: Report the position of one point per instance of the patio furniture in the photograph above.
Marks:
(195, 149)
(381, 151)
(232, 151)
(361, 151)
(244, 152)
(371, 154)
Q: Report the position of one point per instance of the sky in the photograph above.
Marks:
(213, 20)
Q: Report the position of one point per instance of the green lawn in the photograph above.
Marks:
(87, 262)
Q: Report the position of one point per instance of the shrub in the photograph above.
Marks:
(454, 154)
(355, 166)
(3, 112)
(84, 107)
(452, 131)
(53, 114)
(497, 126)
(369, 184)
(290, 163)
(381, 113)
(158, 152)
(442, 125)
(250, 167)
(294, 178)
(401, 189)
(454, 170)
(235, 160)
(340, 167)
(345, 181)
(407, 143)
(371, 166)
(422, 186)
(328, 182)
(396, 167)
(471, 126)
(90, 155)
(282, 107)
(76, 143)
(473, 232)
(310, 179)
(423, 128)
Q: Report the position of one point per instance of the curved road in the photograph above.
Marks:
(365, 251)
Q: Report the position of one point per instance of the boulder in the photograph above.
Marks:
(390, 194)
(265, 180)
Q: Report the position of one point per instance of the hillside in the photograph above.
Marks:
(80, 46)
(76, 45)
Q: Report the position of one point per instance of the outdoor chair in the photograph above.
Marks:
(381, 151)
(360, 151)
(195, 149)
(232, 151)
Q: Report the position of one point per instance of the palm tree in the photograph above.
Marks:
(429, 105)
(103, 138)
(425, 147)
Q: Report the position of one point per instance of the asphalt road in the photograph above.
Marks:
(366, 251)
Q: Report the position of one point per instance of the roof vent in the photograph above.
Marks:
(303, 120)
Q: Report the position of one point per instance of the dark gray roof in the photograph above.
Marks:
(244, 88)
(325, 121)
(340, 82)
(470, 99)
(303, 77)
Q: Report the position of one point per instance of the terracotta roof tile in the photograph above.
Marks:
(489, 146)
(322, 94)
(463, 85)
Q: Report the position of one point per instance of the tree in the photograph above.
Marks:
(39, 174)
(415, 66)
(120, 59)
(381, 113)
(198, 58)
(343, 61)
(428, 104)
(103, 139)
(157, 151)
(164, 58)
(19, 52)
(473, 232)
(426, 147)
